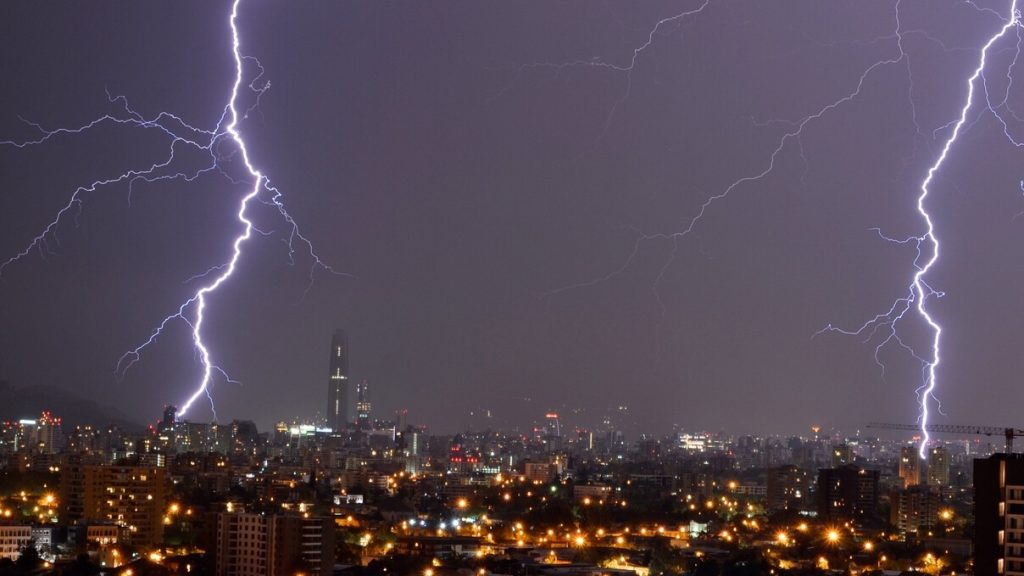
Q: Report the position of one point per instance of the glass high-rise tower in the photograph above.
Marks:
(338, 401)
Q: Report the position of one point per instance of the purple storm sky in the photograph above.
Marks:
(475, 197)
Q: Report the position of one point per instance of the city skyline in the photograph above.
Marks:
(620, 288)
(188, 497)
(505, 208)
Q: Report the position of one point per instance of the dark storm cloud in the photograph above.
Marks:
(463, 190)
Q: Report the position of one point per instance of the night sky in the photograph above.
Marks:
(425, 151)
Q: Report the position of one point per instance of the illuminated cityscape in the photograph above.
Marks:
(555, 496)
(618, 288)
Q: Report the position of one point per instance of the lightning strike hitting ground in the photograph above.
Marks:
(919, 291)
(191, 312)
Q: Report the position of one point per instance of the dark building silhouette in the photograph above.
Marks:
(999, 515)
(169, 419)
(787, 488)
(338, 401)
(848, 493)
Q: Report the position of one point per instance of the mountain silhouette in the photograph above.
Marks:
(30, 401)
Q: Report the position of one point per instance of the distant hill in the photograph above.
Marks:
(28, 402)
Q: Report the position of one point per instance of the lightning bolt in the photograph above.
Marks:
(229, 269)
(927, 245)
(919, 292)
(191, 312)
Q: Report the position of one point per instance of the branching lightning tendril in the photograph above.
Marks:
(180, 133)
(792, 135)
(919, 292)
(927, 246)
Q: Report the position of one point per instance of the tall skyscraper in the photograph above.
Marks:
(999, 515)
(339, 407)
(363, 405)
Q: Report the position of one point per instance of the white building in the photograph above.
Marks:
(13, 539)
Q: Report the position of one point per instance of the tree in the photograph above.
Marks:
(28, 560)
(82, 567)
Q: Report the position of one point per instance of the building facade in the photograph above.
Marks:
(787, 488)
(848, 493)
(273, 545)
(999, 515)
(133, 498)
(910, 466)
(938, 466)
(915, 510)
(13, 539)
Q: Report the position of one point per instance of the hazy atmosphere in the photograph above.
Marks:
(530, 206)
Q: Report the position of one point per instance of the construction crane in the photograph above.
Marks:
(1006, 432)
